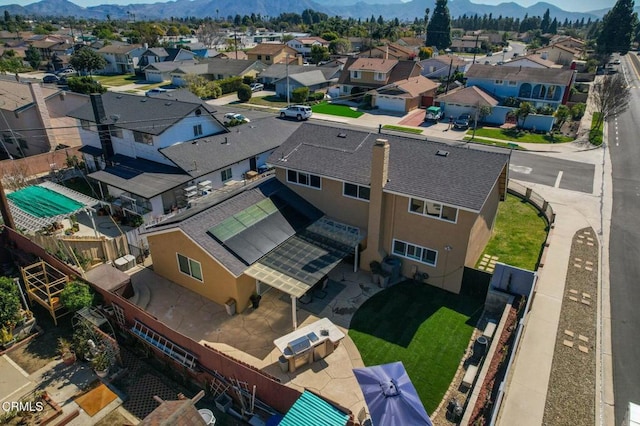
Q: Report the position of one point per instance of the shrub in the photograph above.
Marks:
(316, 96)
(9, 302)
(248, 79)
(545, 110)
(85, 85)
(577, 111)
(244, 93)
(230, 85)
(511, 102)
(76, 295)
(300, 94)
(595, 137)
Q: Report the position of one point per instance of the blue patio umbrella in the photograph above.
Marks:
(391, 397)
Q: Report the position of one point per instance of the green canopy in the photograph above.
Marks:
(42, 202)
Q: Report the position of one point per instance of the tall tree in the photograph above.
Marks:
(88, 60)
(439, 28)
(32, 55)
(617, 28)
(546, 21)
(610, 96)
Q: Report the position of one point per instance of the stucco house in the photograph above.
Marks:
(303, 45)
(315, 78)
(274, 53)
(35, 118)
(405, 95)
(559, 54)
(542, 87)
(121, 59)
(363, 74)
(390, 51)
(338, 192)
(441, 66)
(533, 60)
(469, 100)
(156, 55)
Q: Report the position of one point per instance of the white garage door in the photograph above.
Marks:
(155, 76)
(390, 103)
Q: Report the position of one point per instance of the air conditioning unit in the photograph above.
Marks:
(125, 262)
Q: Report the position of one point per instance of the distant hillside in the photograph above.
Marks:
(363, 9)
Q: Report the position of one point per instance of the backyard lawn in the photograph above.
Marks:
(117, 80)
(271, 100)
(426, 328)
(402, 129)
(514, 136)
(335, 109)
(518, 235)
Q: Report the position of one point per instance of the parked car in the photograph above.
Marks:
(462, 122)
(299, 112)
(489, 53)
(433, 113)
(616, 62)
(50, 78)
(256, 87)
(235, 116)
(66, 72)
(155, 91)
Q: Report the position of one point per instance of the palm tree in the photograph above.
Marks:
(524, 111)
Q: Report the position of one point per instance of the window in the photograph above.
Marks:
(439, 211)
(189, 267)
(115, 132)
(304, 179)
(259, 57)
(118, 312)
(220, 76)
(267, 58)
(499, 82)
(512, 83)
(356, 191)
(414, 252)
(142, 137)
(226, 174)
(379, 76)
(355, 75)
(197, 130)
(345, 89)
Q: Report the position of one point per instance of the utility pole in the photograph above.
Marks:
(446, 90)
(287, 66)
(235, 42)
(475, 121)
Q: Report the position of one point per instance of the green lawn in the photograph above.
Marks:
(271, 100)
(402, 129)
(426, 328)
(514, 136)
(596, 132)
(519, 234)
(117, 80)
(508, 145)
(335, 109)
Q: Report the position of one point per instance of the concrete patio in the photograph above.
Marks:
(249, 335)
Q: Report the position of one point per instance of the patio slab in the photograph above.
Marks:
(248, 336)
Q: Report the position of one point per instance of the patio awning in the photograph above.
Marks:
(310, 409)
(304, 259)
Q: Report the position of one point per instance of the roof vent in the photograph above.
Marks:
(119, 97)
(167, 104)
(143, 100)
(442, 153)
(198, 112)
(342, 135)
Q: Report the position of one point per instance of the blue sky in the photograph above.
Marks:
(569, 5)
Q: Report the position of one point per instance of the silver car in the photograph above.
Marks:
(299, 112)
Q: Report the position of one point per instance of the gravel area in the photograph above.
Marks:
(571, 395)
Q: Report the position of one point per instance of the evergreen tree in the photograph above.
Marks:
(553, 28)
(546, 22)
(617, 28)
(439, 28)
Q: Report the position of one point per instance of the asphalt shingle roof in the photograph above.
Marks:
(464, 178)
(219, 151)
(140, 113)
(471, 95)
(526, 74)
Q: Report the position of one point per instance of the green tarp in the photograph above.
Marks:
(43, 202)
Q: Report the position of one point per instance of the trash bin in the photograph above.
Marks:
(283, 363)
(230, 306)
(393, 266)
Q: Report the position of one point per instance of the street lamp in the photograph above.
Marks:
(447, 249)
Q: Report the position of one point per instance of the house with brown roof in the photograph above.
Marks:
(559, 54)
(468, 43)
(469, 100)
(389, 51)
(274, 53)
(35, 118)
(121, 58)
(413, 43)
(405, 95)
(363, 74)
(303, 45)
(441, 66)
(532, 60)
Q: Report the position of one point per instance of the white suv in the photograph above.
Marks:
(299, 112)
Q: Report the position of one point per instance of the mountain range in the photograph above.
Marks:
(270, 8)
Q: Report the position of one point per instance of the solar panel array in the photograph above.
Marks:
(243, 220)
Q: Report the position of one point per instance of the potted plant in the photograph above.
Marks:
(76, 295)
(255, 300)
(6, 337)
(66, 352)
(101, 364)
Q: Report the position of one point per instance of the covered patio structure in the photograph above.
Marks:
(303, 262)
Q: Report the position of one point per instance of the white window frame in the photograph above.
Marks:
(143, 138)
(437, 206)
(226, 174)
(417, 252)
(379, 76)
(356, 74)
(359, 189)
(197, 130)
(118, 313)
(498, 82)
(513, 83)
(308, 175)
(190, 273)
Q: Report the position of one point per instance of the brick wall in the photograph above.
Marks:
(37, 164)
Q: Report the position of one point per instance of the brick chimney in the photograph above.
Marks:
(43, 113)
(379, 177)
